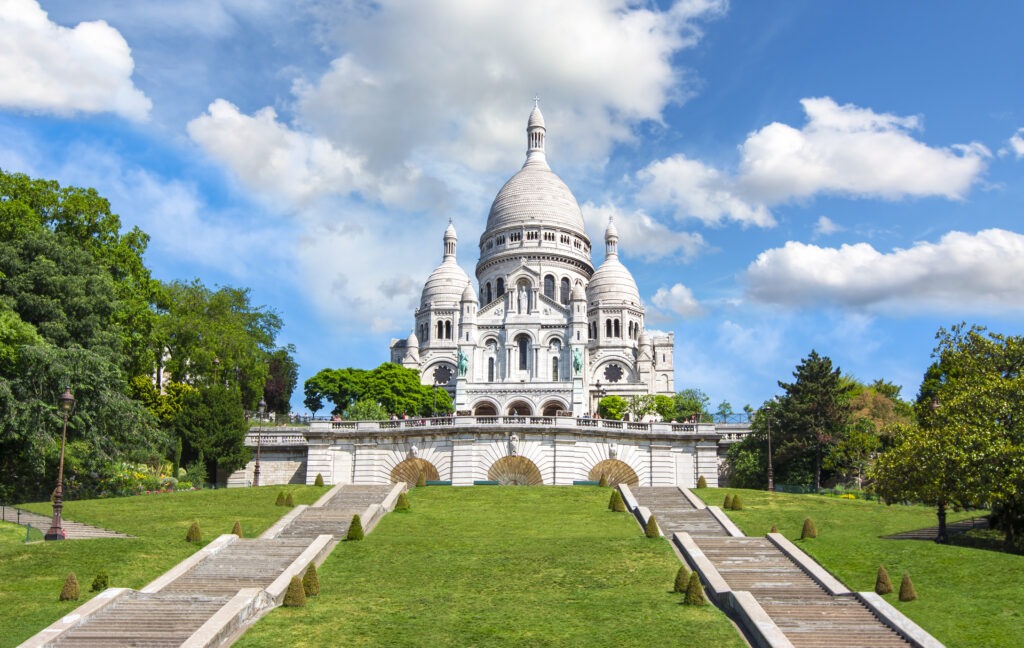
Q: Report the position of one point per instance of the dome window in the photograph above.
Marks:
(565, 290)
(549, 236)
(501, 288)
(532, 235)
(549, 286)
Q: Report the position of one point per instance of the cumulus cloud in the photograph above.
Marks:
(1016, 143)
(269, 155)
(640, 235)
(842, 149)
(695, 190)
(961, 272)
(46, 67)
(825, 226)
(679, 299)
(854, 151)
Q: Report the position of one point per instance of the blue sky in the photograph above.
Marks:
(785, 176)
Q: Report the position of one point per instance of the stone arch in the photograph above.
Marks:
(485, 408)
(552, 407)
(515, 471)
(409, 471)
(615, 471)
(521, 406)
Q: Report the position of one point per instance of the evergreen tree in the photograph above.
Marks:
(694, 591)
(355, 529)
(651, 529)
(882, 583)
(682, 579)
(809, 530)
(70, 590)
(907, 592)
(311, 581)
(296, 595)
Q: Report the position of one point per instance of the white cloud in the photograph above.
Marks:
(269, 156)
(640, 235)
(825, 226)
(853, 151)
(960, 273)
(696, 190)
(1016, 143)
(679, 299)
(49, 68)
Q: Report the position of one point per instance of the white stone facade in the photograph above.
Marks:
(543, 333)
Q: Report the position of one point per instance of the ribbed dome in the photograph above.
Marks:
(445, 285)
(468, 294)
(447, 282)
(613, 283)
(535, 196)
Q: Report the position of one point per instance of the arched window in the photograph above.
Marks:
(549, 286)
(501, 287)
(566, 291)
(490, 369)
(554, 369)
(487, 293)
(608, 328)
(618, 331)
(524, 351)
(448, 330)
(440, 330)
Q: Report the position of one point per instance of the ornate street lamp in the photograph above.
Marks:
(261, 408)
(771, 473)
(56, 532)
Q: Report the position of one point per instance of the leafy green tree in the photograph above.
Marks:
(692, 403)
(968, 446)
(366, 410)
(665, 407)
(724, 411)
(612, 407)
(283, 376)
(211, 422)
(397, 389)
(815, 410)
(640, 406)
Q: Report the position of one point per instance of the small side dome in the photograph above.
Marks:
(644, 340)
(412, 340)
(612, 283)
(445, 284)
(578, 293)
(469, 295)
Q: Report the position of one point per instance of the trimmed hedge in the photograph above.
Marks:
(701, 482)
(809, 530)
(355, 529)
(402, 504)
(311, 581)
(907, 592)
(101, 582)
(694, 591)
(296, 595)
(652, 530)
(194, 534)
(70, 590)
(682, 580)
(319, 481)
(882, 583)
(237, 529)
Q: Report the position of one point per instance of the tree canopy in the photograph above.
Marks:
(395, 388)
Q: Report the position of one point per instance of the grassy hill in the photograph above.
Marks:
(492, 566)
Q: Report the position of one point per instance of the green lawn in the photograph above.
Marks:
(491, 566)
(966, 597)
(32, 575)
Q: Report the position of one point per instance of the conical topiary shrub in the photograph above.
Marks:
(727, 504)
(737, 503)
(70, 590)
(237, 529)
(421, 480)
(289, 500)
(604, 481)
(402, 503)
(651, 530)
(101, 582)
(907, 592)
(280, 499)
(774, 529)
(355, 529)
(701, 482)
(311, 581)
(319, 481)
(682, 580)
(194, 534)
(882, 583)
(694, 591)
(618, 504)
(809, 530)
(295, 596)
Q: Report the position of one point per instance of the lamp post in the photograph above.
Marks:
(435, 398)
(261, 408)
(601, 393)
(771, 473)
(56, 532)
(942, 537)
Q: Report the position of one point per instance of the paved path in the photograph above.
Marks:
(173, 609)
(74, 530)
(806, 614)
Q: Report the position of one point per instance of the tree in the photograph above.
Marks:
(640, 406)
(968, 446)
(397, 389)
(665, 407)
(724, 411)
(366, 410)
(211, 422)
(611, 407)
(692, 404)
(814, 411)
(282, 377)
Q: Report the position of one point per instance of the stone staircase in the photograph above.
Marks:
(73, 530)
(676, 514)
(232, 579)
(137, 619)
(335, 515)
(805, 613)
